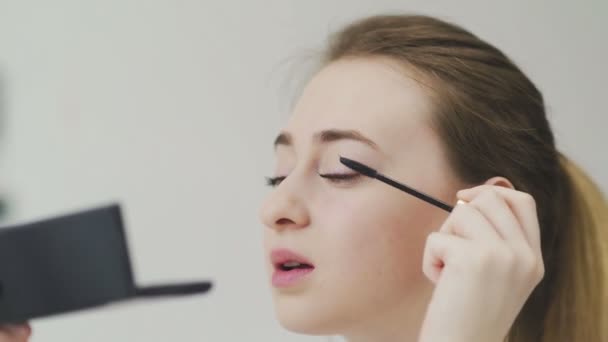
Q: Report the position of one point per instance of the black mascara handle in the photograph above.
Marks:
(416, 193)
(370, 172)
(174, 290)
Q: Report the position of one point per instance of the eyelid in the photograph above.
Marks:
(338, 174)
(340, 177)
(336, 177)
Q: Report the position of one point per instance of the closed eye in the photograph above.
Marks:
(340, 177)
(332, 177)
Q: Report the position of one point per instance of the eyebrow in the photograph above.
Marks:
(327, 136)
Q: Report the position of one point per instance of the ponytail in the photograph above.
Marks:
(579, 305)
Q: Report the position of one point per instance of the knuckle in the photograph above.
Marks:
(537, 271)
(432, 240)
(457, 221)
(493, 192)
(432, 237)
(480, 197)
(490, 195)
(540, 271)
(458, 215)
(528, 199)
(532, 267)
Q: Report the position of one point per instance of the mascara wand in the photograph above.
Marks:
(372, 173)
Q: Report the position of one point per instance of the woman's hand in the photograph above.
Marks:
(485, 261)
(15, 333)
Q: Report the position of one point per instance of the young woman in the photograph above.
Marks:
(430, 105)
(520, 257)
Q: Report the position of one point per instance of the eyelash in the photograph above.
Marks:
(333, 177)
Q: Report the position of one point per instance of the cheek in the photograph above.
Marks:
(383, 242)
(368, 249)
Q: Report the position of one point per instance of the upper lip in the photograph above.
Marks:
(280, 256)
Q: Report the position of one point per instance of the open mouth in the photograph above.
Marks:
(292, 265)
(289, 268)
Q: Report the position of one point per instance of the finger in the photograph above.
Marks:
(467, 222)
(438, 251)
(15, 333)
(496, 210)
(522, 205)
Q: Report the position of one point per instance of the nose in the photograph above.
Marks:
(285, 208)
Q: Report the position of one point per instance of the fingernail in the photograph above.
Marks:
(460, 202)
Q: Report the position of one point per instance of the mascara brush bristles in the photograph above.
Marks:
(356, 166)
(368, 171)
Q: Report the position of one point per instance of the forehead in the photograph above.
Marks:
(377, 97)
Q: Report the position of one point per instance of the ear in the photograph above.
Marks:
(500, 181)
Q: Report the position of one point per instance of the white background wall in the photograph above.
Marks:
(171, 108)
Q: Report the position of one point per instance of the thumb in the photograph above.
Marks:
(15, 333)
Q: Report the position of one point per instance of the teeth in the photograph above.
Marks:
(291, 264)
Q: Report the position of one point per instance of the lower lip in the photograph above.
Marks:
(282, 278)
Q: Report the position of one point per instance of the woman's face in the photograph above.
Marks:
(363, 239)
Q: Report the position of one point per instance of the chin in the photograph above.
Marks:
(303, 316)
(305, 325)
